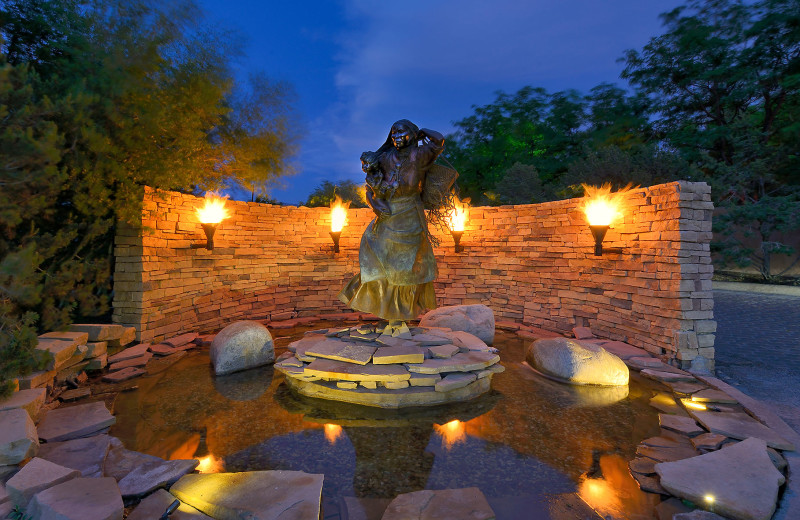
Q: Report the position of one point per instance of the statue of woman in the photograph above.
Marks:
(395, 256)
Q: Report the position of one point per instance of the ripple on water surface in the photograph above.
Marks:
(530, 444)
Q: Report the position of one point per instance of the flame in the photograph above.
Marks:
(458, 215)
(338, 214)
(211, 464)
(213, 212)
(452, 433)
(600, 205)
(333, 432)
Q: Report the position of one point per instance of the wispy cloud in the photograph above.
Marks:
(430, 62)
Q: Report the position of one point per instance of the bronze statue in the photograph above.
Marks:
(396, 256)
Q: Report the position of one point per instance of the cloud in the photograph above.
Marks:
(430, 62)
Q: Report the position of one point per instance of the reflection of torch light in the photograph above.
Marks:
(338, 220)
(452, 433)
(211, 215)
(210, 464)
(456, 221)
(332, 433)
(601, 208)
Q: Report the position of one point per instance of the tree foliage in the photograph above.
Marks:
(98, 99)
(715, 97)
(324, 194)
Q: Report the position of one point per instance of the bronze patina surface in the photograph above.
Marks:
(397, 266)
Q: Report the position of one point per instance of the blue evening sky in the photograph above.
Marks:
(359, 65)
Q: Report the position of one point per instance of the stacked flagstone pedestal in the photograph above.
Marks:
(418, 367)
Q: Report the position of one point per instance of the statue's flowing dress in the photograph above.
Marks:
(395, 256)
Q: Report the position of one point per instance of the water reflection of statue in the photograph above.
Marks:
(396, 258)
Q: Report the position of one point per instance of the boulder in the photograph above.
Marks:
(577, 363)
(18, 439)
(37, 475)
(477, 319)
(241, 345)
(78, 499)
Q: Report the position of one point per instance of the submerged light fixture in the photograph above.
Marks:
(456, 221)
(211, 215)
(602, 208)
(338, 220)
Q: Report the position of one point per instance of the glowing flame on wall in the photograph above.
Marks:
(213, 212)
(211, 464)
(452, 433)
(458, 215)
(338, 214)
(333, 432)
(600, 205)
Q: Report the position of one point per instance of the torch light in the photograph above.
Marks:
(211, 215)
(456, 221)
(338, 220)
(601, 208)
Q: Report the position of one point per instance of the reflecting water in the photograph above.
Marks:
(532, 445)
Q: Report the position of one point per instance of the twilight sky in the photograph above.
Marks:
(359, 65)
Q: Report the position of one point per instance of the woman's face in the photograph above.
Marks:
(401, 137)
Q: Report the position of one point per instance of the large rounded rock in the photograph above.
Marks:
(477, 319)
(241, 345)
(576, 363)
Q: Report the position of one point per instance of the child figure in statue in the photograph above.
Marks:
(397, 267)
(382, 188)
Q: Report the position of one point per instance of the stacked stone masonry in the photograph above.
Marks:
(532, 264)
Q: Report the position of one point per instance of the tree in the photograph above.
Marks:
(324, 194)
(642, 165)
(725, 81)
(520, 185)
(101, 98)
(495, 137)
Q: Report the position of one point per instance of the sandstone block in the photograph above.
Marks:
(99, 331)
(477, 320)
(740, 477)
(79, 499)
(154, 506)
(18, 439)
(30, 400)
(35, 476)
(86, 455)
(79, 338)
(127, 337)
(252, 494)
(444, 504)
(63, 424)
(462, 362)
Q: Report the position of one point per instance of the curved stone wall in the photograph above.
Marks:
(533, 264)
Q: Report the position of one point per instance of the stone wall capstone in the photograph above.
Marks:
(532, 264)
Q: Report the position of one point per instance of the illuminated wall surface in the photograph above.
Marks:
(532, 264)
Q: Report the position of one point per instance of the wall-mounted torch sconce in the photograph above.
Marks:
(456, 221)
(601, 208)
(211, 215)
(338, 220)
